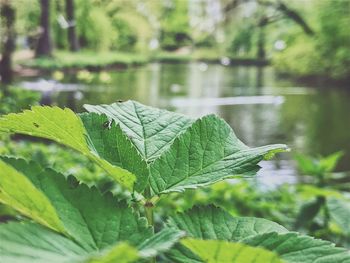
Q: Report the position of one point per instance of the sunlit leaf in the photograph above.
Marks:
(64, 127)
(216, 251)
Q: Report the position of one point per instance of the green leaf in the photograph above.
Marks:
(308, 212)
(205, 153)
(210, 222)
(18, 192)
(92, 220)
(94, 223)
(160, 242)
(295, 248)
(64, 127)
(150, 129)
(29, 242)
(329, 162)
(339, 211)
(111, 144)
(121, 253)
(216, 251)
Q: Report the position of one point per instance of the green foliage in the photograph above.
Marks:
(327, 53)
(209, 223)
(82, 60)
(64, 220)
(175, 26)
(17, 99)
(327, 206)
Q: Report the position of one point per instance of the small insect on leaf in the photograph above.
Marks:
(120, 101)
(108, 124)
(36, 125)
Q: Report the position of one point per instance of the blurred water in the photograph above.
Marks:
(261, 108)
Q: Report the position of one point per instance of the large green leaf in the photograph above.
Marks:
(93, 220)
(18, 192)
(205, 153)
(295, 248)
(210, 223)
(339, 210)
(150, 129)
(28, 242)
(64, 127)
(111, 144)
(218, 251)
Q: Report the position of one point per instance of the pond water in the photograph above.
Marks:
(261, 108)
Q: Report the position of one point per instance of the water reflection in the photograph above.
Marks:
(261, 108)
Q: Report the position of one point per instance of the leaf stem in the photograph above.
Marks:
(149, 205)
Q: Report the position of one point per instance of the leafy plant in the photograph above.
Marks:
(150, 153)
(328, 204)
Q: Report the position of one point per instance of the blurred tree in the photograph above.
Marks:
(266, 13)
(175, 31)
(72, 38)
(7, 14)
(44, 47)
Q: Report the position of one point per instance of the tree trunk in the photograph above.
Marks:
(261, 54)
(44, 47)
(7, 14)
(72, 38)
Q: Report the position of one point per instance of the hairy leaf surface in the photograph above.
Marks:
(215, 251)
(64, 127)
(205, 153)
(151, 130)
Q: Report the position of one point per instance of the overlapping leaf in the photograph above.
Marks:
(216, 251)
(64, 127)
(209, 223)
(93, 221)
(111, 144)
(295, 248)
(151, 130)
(205, 153)
(168, 150)
(29, 242)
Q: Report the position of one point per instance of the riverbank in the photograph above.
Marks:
(63, 60)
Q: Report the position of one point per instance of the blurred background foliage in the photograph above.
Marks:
(302, 38)
(250, 61)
